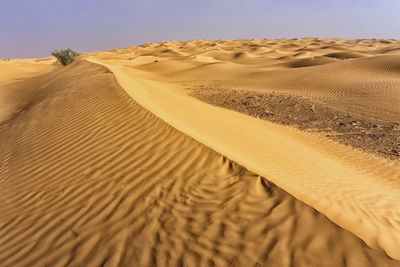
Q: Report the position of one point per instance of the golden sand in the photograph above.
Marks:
(118, 166)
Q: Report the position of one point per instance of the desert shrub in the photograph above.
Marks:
(65, 56)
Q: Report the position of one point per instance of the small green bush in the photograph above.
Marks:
(65, 56)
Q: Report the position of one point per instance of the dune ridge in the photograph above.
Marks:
(337, 180)
(91, 178)
(18, 69)
(347, 185)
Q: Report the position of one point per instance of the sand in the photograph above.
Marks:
(118, 166)
(362, 132)
(13, 70)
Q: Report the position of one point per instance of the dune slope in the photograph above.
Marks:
(356, 190)
(88, 177)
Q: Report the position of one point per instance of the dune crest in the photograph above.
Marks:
(347, 185)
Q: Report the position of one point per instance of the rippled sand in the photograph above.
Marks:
(95, 174)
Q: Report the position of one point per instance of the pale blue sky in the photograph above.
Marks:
(34, 28)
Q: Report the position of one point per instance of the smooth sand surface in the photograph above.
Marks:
(13, 70)
(90, 178)
(116, 165)
(14, 98)
(358, 191)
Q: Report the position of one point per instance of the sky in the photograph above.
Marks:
(34, 28)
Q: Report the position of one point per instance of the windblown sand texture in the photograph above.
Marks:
(92, 174)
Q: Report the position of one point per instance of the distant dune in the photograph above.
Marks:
(16, 69)
(116, 160)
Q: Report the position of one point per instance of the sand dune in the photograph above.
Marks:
(94, 174)
(16, 69)
(92, 178)
(351, 75)
(366, 86)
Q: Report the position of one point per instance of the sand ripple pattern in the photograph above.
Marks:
(90, 178)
